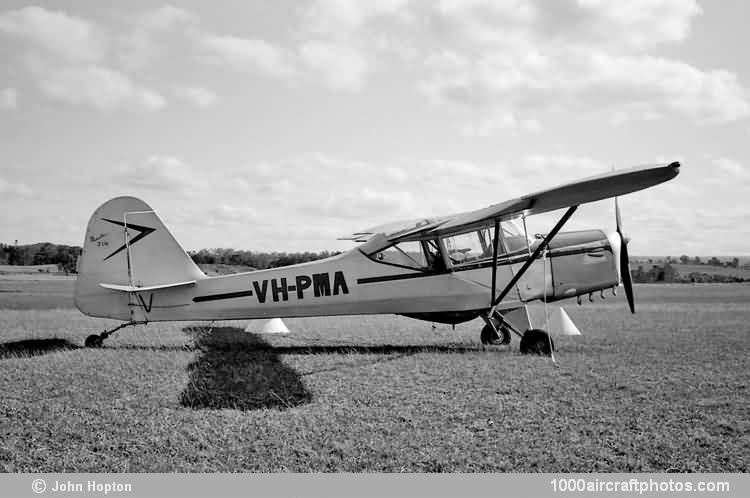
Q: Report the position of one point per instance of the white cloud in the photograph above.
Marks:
(147, 39)
(531, 125)
(514, 10)
(560, 167)
(230, 215)
(341, 66)
(712, 96)
(395, 174)
(249, 55)
(98, 87)
(391, 190)
(501, 121)
(165, 18)
(69, 37)
(633, 113)
(581, 56)
(161, 174)
(278, 187)
(14, 189)
(340, 17)
(66, 56)
(564, 161)
(197, 96)
(734, 169)
(452, 169)
(365, 203)
(8, 98)
(576, 78)
(338, 66)
(640, 23)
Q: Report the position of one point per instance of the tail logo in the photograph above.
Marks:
(142, 232)
(97, 239)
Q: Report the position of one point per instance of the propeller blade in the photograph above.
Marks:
(627, 279)
(618, 219)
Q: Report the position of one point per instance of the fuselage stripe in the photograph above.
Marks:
(218, 297)
(401, 276)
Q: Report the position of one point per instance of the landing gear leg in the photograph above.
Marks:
(97, 340)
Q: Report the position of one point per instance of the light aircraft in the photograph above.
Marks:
(450, 269)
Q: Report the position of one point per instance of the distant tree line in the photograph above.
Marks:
(714, 261)
(666, 273)
(696, 260)
(44, 253)
(255, 259)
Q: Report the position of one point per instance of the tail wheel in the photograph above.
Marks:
(538, 342)
(94, 341)
(490, 337)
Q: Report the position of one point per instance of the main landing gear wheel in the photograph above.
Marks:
(490, 337)
(538, 342)
(94, 341)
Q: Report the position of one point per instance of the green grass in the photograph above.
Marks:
(36, 292)
(663, 390)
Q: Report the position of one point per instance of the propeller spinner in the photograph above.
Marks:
(627, 279)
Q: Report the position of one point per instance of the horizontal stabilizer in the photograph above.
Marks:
(130, 288)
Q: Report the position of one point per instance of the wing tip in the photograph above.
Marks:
(674, 168)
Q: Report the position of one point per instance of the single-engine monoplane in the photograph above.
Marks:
(448, 269)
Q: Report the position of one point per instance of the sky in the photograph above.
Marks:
(284, 125)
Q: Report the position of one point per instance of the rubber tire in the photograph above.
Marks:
(537, 342)
(94, 341)
(491, 338)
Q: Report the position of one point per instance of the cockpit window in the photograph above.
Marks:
(469, 247)
(420, 255)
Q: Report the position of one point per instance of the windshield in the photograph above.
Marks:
(420, 255)
(514, 236)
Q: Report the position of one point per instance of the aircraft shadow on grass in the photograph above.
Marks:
(237, 370)
(34, 347)
(240, 370)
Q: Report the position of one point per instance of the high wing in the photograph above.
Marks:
(590, 189)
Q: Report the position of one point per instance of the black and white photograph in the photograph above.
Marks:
(365, 237)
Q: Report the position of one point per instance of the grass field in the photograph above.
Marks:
(665, 390)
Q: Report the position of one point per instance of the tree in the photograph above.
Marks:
(669, 273)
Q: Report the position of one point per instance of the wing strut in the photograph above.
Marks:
(531, 259)
(495, 243)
